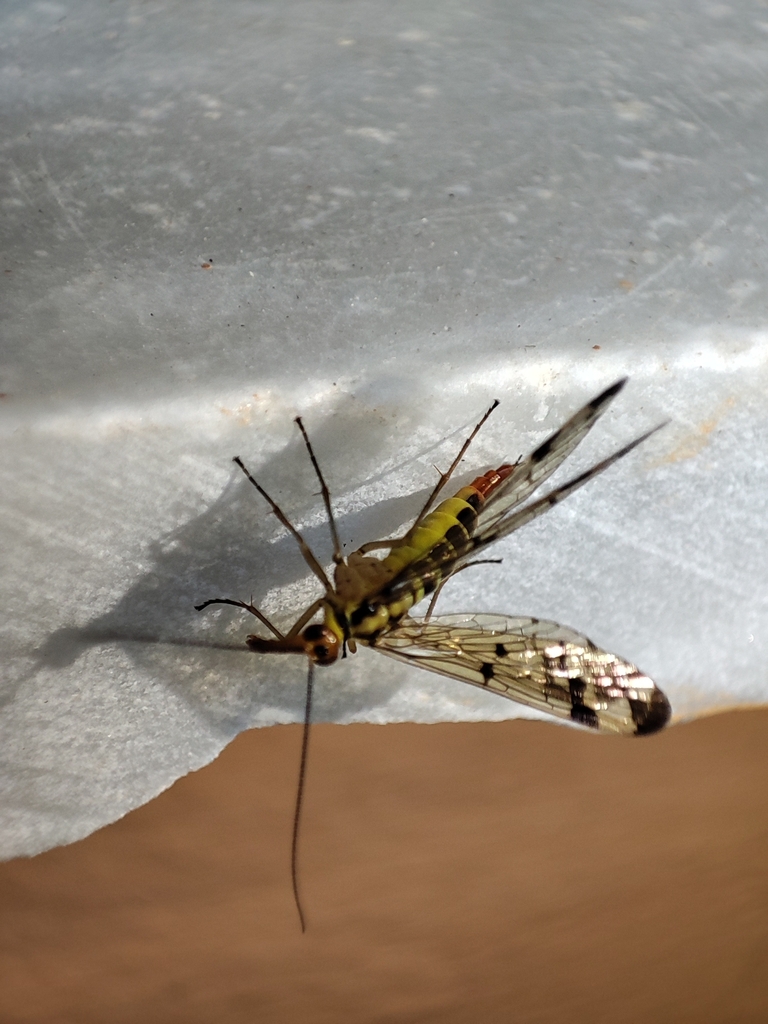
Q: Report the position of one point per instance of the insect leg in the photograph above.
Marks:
(444, 478)
(248, 607)
(441, 584)
(301, 622)
(337, 552)
(288, 643)
(306, 551)
(373, 545)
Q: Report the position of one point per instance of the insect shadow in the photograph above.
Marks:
(236, 547)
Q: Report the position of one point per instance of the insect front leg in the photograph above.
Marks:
(377, 545)
(304, 618)
(249, 607)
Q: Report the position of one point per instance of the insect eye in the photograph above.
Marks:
(321, 644)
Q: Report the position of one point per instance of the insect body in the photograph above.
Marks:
(541, 664)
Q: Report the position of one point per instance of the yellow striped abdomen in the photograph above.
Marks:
(441, 534)
(431, 547)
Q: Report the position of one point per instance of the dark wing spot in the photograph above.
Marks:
(608, 393)
(650, 716)
(577, 688)
(559, 665)
(544, 449)
(579, 711)
(501, 650)
(486, 670)
(585, 716)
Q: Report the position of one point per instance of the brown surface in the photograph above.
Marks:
(494, 873)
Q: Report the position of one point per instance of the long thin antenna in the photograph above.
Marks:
(300, 797)
(338, 556)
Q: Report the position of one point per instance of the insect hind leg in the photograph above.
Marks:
(446, 476)
(441, 584)
(443, 480)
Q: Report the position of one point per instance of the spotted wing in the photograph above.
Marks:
(501, 515)
(541, 664)
(511, 519)
(530, 473)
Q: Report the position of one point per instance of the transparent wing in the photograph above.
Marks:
(541, 664)
(509, 519)
(501, 515)
(436, 567)
(532, 471)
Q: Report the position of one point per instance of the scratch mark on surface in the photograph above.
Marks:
(718, 222)
(54, 190)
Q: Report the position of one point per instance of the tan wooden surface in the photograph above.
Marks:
(492, 872)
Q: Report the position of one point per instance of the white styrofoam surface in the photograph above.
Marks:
(408, 211)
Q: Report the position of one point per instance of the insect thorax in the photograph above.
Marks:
(359, 578)
(357, 584)
(373, 594)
